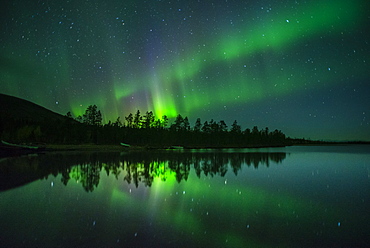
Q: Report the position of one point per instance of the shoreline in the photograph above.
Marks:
(94, 147)
(44, 148)
(98, 147)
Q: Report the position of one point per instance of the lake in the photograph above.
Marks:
(300, 196)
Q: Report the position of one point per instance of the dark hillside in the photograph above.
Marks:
(24, 122)
(14, 108)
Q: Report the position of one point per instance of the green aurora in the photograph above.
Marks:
(173, 89)
(255, 61)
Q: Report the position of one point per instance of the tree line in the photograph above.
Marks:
(139, 130)
(145, 130)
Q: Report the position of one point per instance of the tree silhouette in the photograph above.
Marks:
(198, 125)
(137, 119)
(186, 124)
(206, 127)
(69, 115)
(130, 120)
(178, 124)
(213, 126)
(164, 121)
(92, 116)
(148, 120)
(118, 122)
(235, 128)
(222, 126)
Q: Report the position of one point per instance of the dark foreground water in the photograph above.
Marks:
(277, 197)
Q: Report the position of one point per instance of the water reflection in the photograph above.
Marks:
(137, 167)
(309, 200)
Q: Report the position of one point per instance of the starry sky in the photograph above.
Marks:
(298, 66)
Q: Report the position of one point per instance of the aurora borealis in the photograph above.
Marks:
(298, 66)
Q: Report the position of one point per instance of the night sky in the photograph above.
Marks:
(302, 67)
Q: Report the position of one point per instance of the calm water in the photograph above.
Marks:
(276, 197)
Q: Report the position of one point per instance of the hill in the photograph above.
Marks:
(14, 108)
(24, 122)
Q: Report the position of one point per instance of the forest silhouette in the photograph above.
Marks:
(137, 129)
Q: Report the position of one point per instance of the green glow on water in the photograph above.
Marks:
(247, 210)
(121, 198)
(185, 206)
(163, 172)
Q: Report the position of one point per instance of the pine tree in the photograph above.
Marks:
(197, 126)
(118, 122)
(222, 126)
(137, 120)
(178, 124)
(235, 128)
(148, 121)
(206, 127)
(129, 120)
(186, 124)
(164, 121)
(92, 116)
(69, 115)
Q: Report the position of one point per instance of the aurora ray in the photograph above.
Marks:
(224, 60)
